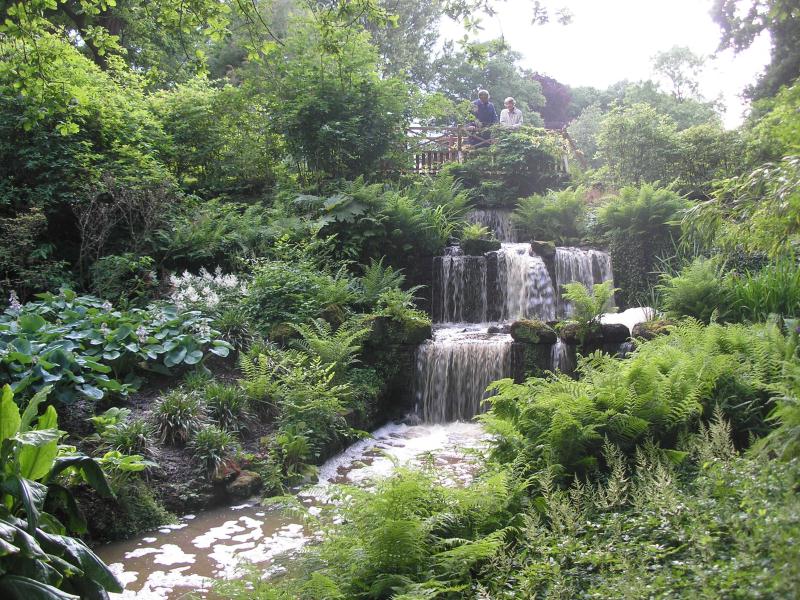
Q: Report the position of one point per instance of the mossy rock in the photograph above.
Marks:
(544, 249)
(652, 329)
(615, 333)
(573, 333)
(533, 332)
(391, 332)
(246, 485)
(479, 247)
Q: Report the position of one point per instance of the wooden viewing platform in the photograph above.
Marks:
(432, 147)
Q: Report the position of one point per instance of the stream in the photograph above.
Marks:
(219, 543)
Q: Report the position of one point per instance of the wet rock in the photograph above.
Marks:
(651, 329)
(504, 328)
(533, 332)
(392, 332)
(575, 334)
(479, 247)
(615, 333)
(544, 249)
(246, 484)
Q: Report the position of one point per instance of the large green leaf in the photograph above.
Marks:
(59, 495)
(78, 553)
(15, 587)
(9, 415)
(33, 409)
(88, 467)
(30, 494)
(36, 461)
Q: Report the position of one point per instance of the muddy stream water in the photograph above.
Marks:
(186, 557)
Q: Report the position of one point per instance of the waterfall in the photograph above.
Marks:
(525, 284)
(454, 369)
(497, 220)
(560, 358)
(459, 289)
(582, 266)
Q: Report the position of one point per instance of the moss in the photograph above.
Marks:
(479, 247)
(135, 510)
(651, 329)
(533, 332)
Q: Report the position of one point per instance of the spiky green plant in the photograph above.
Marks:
(476, 231)
(177, 416)
(227, 405)
(129, 437)
(212, 446)
(376, 280)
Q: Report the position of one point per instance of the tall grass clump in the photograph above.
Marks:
(773, 290)
(177, 416)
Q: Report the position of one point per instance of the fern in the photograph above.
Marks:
(335, 349)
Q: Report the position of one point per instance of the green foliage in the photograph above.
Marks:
(177, 416)
(476, 231)
(773, 129)
(698, 291)
(718, 526)
(662, 390)
(410, 535)
(773, 290)
(125, 278)
(39, 557)
(227, 406)
(519, 163)
(211, 447)
(638, 145)
(639, 224)
(337, 115)
(220, 141)
(74, 342)
(334, 349)
(294, 292)
(708, 153)
(586, 306)
(556, 216)
(377, 280)
(755, 212)
(129, 437)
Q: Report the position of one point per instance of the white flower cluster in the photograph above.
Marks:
(204, 289)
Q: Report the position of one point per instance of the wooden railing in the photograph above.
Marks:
(432, 147)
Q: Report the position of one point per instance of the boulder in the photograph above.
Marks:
(479, 247)
(533, 332)
(544, 249)
(573, 333)
(615, 333)
(246, 485)
(651, 329)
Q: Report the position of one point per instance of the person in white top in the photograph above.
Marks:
(511, 116)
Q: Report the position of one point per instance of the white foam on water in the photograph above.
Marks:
(630, 317)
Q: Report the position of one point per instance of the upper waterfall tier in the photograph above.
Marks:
(497, 220)
(511, 283)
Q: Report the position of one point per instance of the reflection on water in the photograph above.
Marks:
(217, 543)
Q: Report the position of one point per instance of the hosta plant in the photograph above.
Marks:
(81, 346)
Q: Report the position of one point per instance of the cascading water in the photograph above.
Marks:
(454, 369)
(582, 266)
(525, 284)
(560, 358)
(460, 288)
(496, 220)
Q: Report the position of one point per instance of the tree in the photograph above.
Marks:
(491, 65)
(740, 28)
(681, 67)
(638, 145)
(557, 99)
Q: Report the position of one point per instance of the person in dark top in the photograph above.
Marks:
(485, 116)
(484, 110)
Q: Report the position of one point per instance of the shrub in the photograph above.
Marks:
(129, 437)
(212, 446)
(555, 216)
(772, 290)
(518, 164)
(662, 391)
(227, 405)
(698, 291)
(178, 415)
(376, 280)
(639, 224)
(125, 278)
